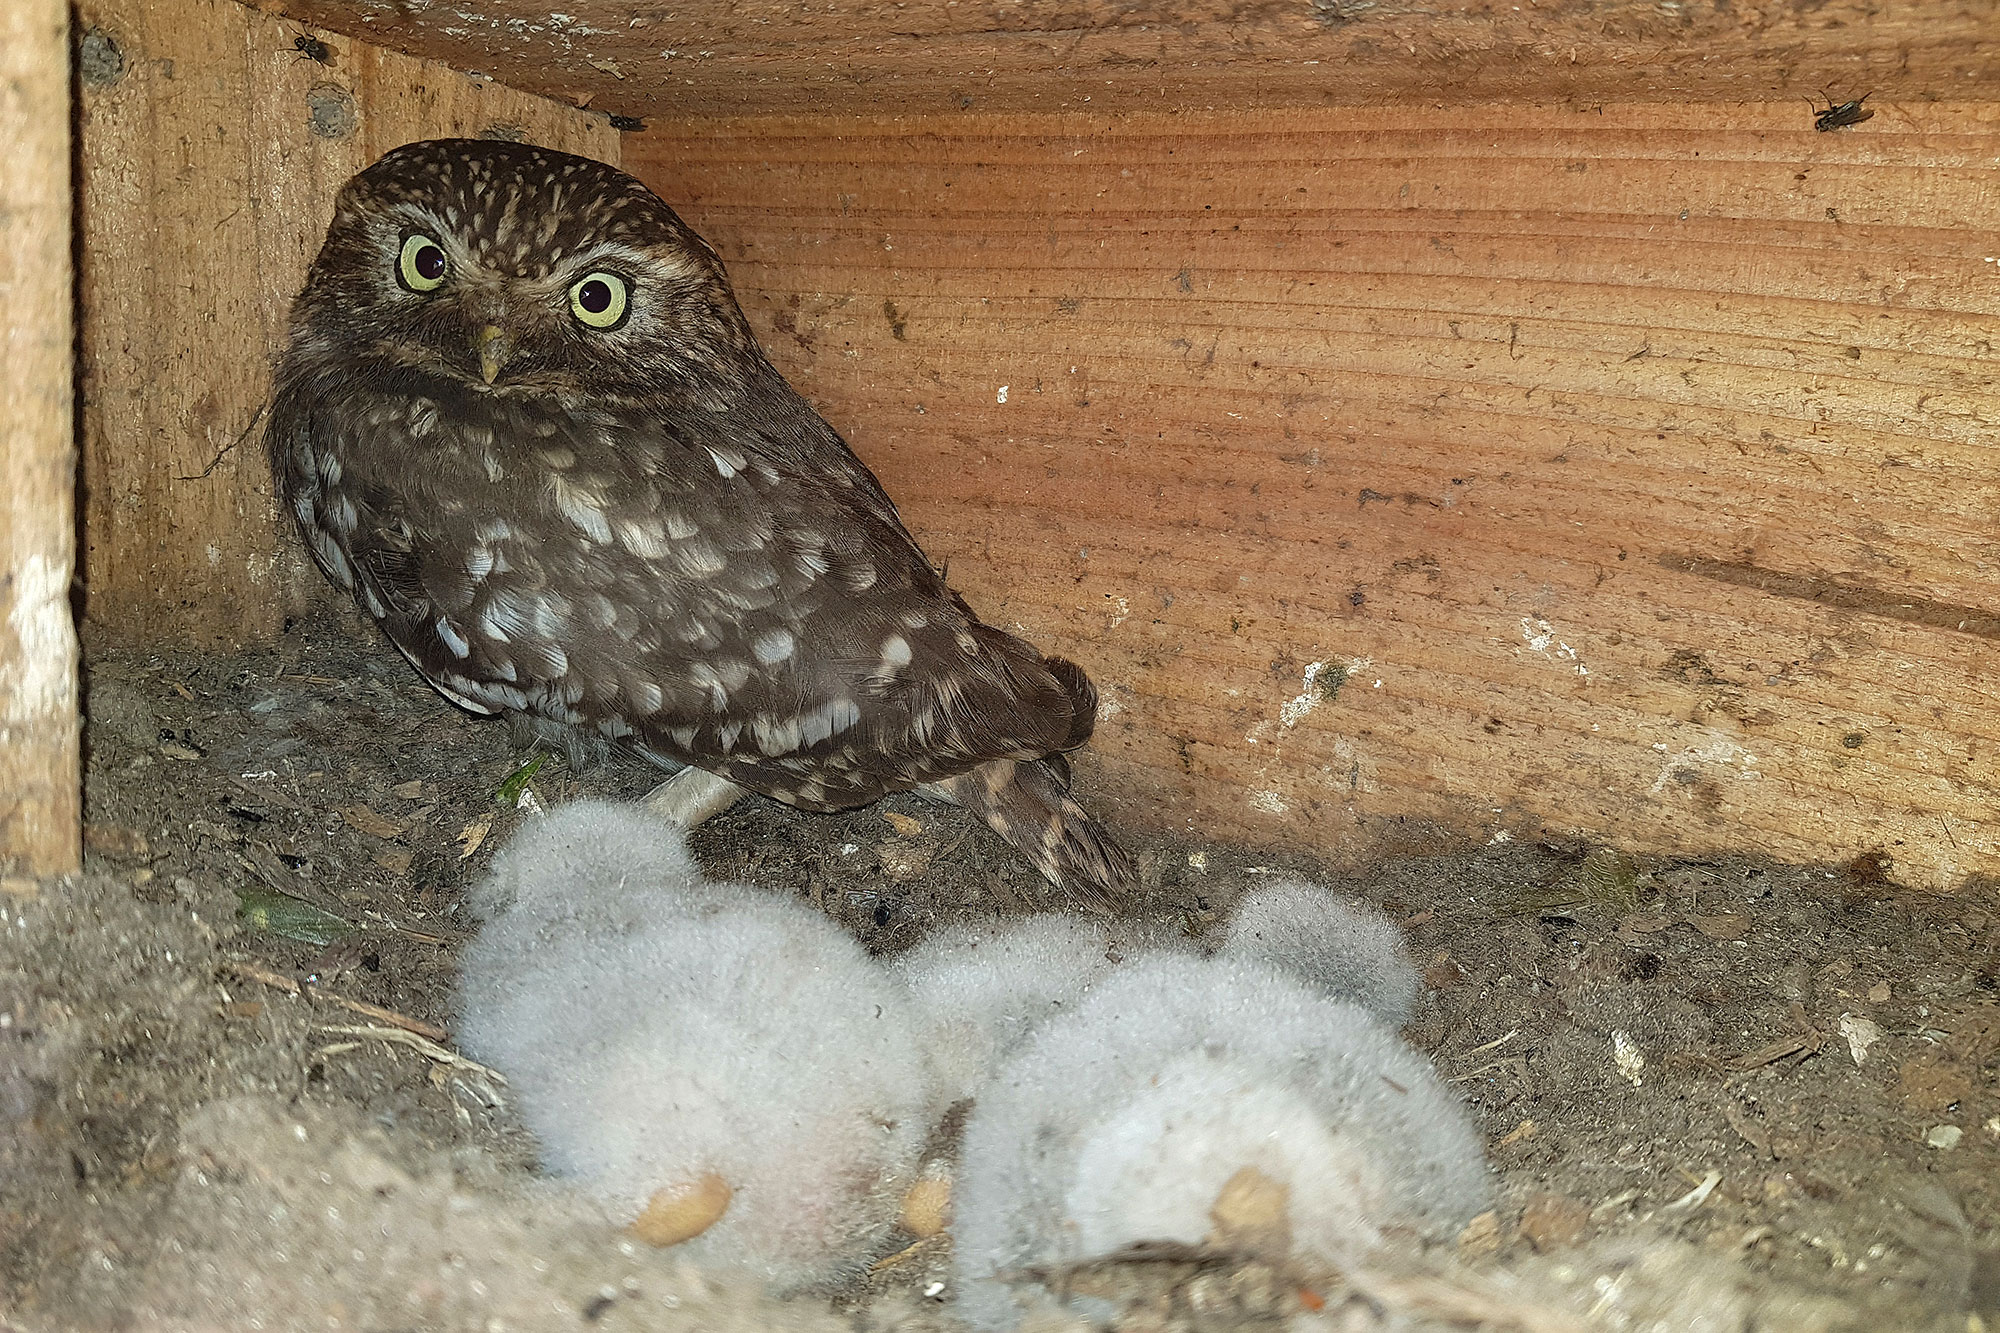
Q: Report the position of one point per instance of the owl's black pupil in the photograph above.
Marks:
(430, 262)
(594, 296)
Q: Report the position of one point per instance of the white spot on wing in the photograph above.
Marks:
(581, 508)
(641, 538)
(773, 646)
(452, 638)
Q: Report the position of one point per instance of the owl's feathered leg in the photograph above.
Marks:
(1029, 805)
(692, 795)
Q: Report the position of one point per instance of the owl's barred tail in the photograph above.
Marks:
(1028, 804)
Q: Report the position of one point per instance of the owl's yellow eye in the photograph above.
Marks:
(421, 266)
(599, 300)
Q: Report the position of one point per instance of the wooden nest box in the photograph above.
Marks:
(1488, 419)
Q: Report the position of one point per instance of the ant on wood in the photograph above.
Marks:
(1839, 115)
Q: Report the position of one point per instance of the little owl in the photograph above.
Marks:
(523, 420)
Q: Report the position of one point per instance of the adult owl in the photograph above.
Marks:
(523, 420)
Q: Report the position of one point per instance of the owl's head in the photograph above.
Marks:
(515, 269)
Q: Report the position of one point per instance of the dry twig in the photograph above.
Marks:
(265, 976)
(423, 1046)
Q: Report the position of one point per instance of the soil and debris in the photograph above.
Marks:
(1716, 1093)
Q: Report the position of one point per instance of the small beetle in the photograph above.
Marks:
(313, 49)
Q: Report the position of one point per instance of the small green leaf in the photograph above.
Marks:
(293, 918)
(509, 792)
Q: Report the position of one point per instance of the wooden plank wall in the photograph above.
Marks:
(211, 151)
(1621, 469)
(40, 820)
(708, 58)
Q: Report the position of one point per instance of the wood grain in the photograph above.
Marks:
(211, 151)
(40, 776)
(768, 57)
(1628, 471)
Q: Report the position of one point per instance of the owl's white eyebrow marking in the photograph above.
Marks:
(773, 646)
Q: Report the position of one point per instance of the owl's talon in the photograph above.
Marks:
(691, 796)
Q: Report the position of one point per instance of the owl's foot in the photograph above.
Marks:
(692, 795)
(1029, 805)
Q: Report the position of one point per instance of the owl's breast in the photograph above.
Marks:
(601, 568)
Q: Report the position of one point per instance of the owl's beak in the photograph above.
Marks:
(494, 347)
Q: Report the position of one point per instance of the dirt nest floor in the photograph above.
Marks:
(1717, 1094)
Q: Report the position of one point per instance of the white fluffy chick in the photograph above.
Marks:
(1143, 1114)
(1340, 946)
(726, 1068)
(591, 867)
(979, 991)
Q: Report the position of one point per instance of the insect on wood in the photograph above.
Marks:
(1839, 115)
(312, 48)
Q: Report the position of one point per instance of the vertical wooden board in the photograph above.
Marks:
(211, 152)
(40, 775)
(1628, 470)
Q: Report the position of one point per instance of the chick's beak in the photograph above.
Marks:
(494, 347)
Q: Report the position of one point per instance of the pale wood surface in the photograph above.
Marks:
(40, 801)
(1633, 470)
(211, 151)
(712, 57)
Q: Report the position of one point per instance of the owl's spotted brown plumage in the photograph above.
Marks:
(522, 419)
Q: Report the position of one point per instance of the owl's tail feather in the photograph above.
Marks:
(1082, 696)
(1028, 804)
